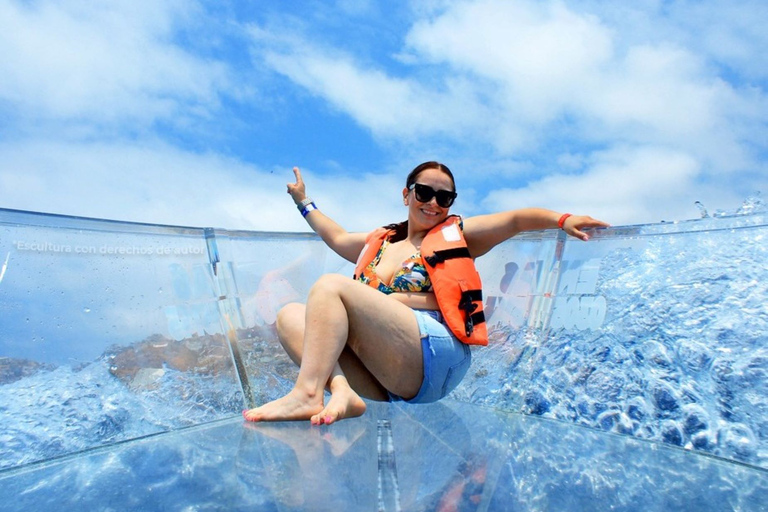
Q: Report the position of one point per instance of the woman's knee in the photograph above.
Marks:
(290, 320)
(330, 283)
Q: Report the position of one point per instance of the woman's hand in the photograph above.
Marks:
(297, 190)
(575, 223)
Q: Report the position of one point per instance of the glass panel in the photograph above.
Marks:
(659, 332)
(456, 456)
(516, 277)
(110, 331)
(264, 272)
(444, 456)
(113, 331)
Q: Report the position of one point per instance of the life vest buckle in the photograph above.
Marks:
(467, 305)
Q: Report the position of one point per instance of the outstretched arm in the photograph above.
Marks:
(345, 244)
(485, 232)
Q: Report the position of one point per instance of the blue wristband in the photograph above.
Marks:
(308, 208)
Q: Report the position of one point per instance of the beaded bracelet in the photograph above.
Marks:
(561, 222)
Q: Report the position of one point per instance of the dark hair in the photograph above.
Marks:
(401, 228)
(429, 165)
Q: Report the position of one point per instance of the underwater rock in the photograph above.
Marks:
(738, 440)
(670, 433)
(637, 409)
(147, 378)
(616, 421)
(696, 419)
(695, 356)
(12, 369)
(664, 398)
(703, 441)
(142, 364)
(604, 385)
(658, 354)
(536, 403)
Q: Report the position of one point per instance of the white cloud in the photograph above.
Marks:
(550, 62)
(621, 185)
(104, 62)
(641, 112)
(730, 33)
(157, 183)
(512, 71)
(535, 52)
(388, 106)
(541, 75)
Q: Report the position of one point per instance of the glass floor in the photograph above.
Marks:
(449, 456)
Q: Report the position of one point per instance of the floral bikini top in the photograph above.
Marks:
(410, 277)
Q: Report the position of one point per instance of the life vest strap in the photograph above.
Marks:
(467, 304)
(473, 320)
(447, 254)
(470, 296)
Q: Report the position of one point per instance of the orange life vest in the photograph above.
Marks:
(455, 280)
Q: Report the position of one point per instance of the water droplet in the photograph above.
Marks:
(702, 209)
(86, 310)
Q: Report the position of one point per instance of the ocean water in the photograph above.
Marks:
(680, 355)
(628, 373)
(65, 410)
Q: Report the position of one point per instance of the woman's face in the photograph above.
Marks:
(427, 215)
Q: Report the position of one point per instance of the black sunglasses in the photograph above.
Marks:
(425, 193)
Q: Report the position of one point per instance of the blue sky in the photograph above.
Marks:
(194, 112)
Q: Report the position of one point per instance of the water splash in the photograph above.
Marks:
(751, 205)
(702, 209)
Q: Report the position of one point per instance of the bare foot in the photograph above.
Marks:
(344, 403)
(293, 406)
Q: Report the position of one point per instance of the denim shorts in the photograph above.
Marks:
(446, 359)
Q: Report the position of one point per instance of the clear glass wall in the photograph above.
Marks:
(109, 332)
(112, 331)
(659, 332)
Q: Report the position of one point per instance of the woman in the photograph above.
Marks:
(412, 341)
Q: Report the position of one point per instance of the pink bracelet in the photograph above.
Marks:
(561, 222)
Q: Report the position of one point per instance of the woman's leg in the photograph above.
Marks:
(348, 378)
(382, 332)
(290, 331)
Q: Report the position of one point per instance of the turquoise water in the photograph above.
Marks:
(627, 373)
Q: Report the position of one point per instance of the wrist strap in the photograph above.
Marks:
(308, 208)
(304, 203)
(561, 222)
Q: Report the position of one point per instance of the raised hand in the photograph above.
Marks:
(297, 190)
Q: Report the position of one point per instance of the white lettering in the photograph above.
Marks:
(579, 312)
(575, 302)
(105, 249)
(578, 277)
